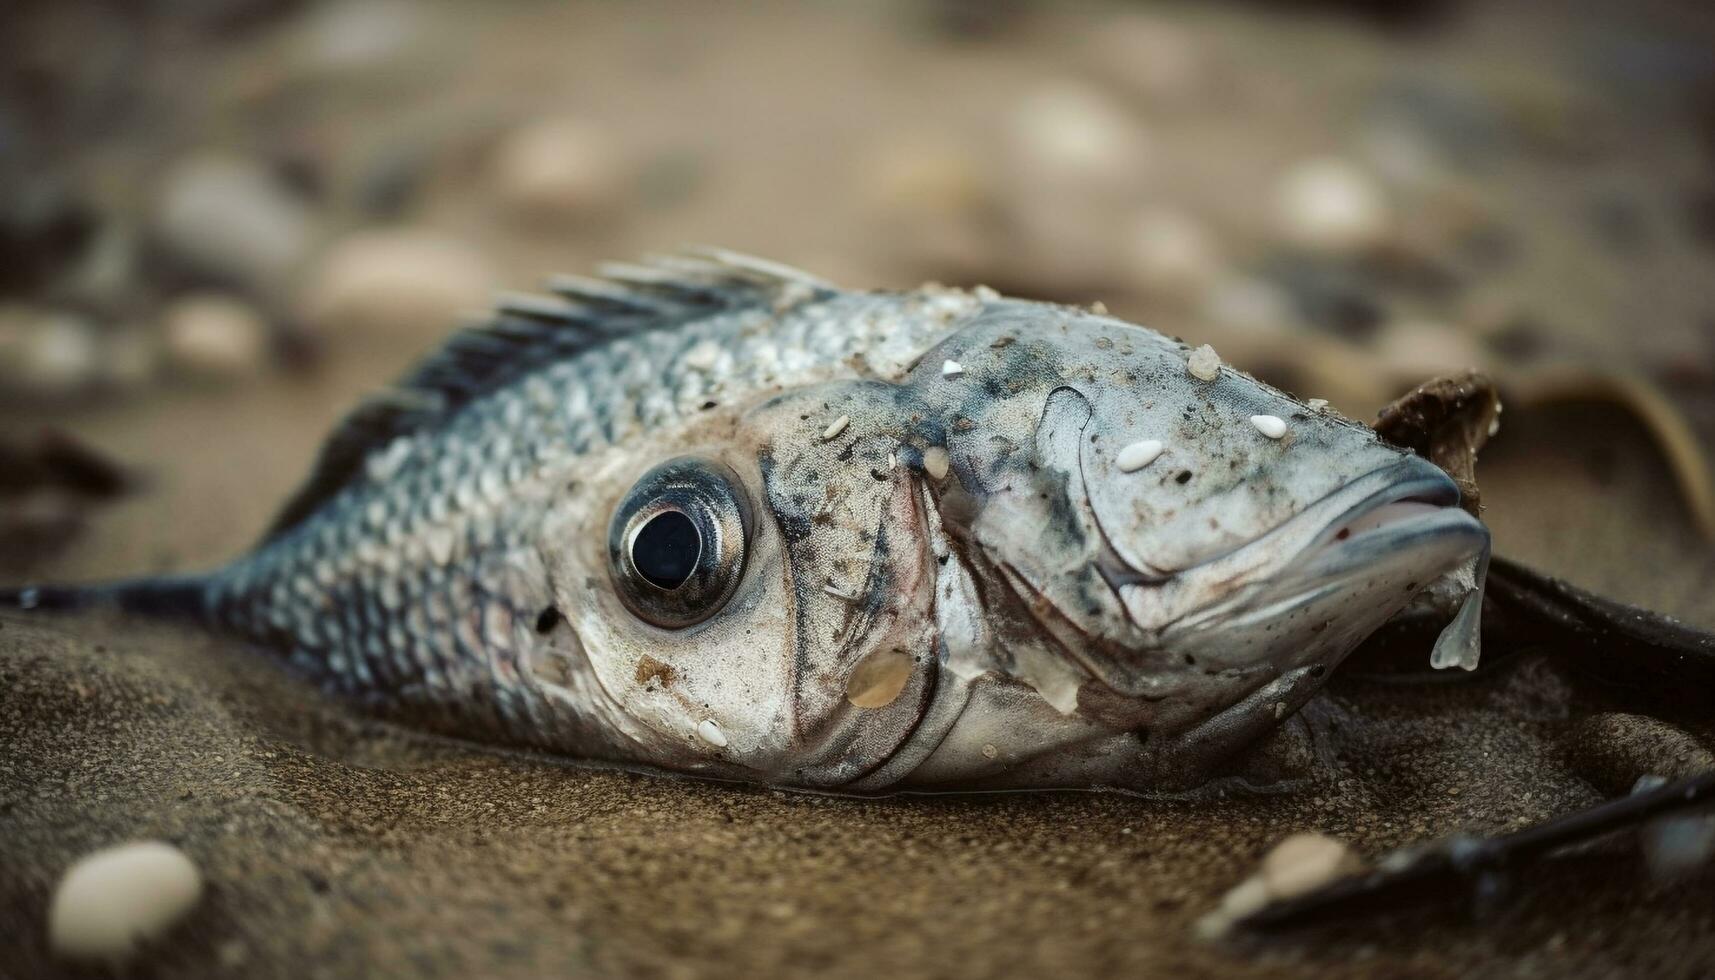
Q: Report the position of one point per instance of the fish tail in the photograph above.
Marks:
(174, 597)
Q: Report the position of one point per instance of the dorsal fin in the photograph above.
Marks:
(525, 332)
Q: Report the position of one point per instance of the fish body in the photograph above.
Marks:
(716, 516)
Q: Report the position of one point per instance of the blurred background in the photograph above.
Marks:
(221, 221)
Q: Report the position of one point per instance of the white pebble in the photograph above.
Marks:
(936, 462)
(1204, 364)
(951, 369)
(1304, 862)
(836, 427)
(1330, 204)
(110, 900)
(396, 280)
(711, 733)
(1138, 455)
(1317, 404)
(559, 170)
(214, 335)
(1272, 426)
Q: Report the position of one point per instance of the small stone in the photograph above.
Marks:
(711, 733)
(1203, 363)
(1304, 862)
(215, 335)
(1332, 205)
(47, 353)
(936, 462)
(113, 899)
(559, 170)
(1138, 455)
(395, 280)
(1172, 253)
(1272, 426)
(1317, 404)
(951, 369)
(232, 218)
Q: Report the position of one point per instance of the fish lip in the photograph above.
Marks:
(1166, 605)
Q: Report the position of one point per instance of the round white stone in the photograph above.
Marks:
(1272, 426)
(1138, 455)
(114, 898)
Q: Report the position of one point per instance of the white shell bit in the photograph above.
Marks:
(1272, 426)
(1138, 455)
(951, 369)
(711, 733)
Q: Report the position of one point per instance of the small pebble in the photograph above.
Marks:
(836, 427)
(214, 335)
(230, 216)
(1069, 135)
(395, 281)
(951, 369)
(559, 170)
(47, 353)
(1304, 862)
(711, 733)
(1138, 455)
(1204, 364)
(1272, 426)
(1317, 404)
(1331, 204)
(936, 462)
(111, 900)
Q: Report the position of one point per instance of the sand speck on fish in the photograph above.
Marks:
(1204, 364)
(951, 369)
(836, 427)
(711, 733)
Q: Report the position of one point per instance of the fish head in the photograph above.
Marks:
(1044, 553)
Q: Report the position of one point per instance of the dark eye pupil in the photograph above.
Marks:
(665, 550)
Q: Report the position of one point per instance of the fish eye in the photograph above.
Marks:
(676, 545)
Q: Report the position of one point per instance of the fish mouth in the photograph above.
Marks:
(1403, 515)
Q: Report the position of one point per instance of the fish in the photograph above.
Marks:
(713, 515)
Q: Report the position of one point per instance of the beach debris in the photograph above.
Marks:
(1446, 421)
(110, 901)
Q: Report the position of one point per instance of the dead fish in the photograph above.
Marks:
(714, 515)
